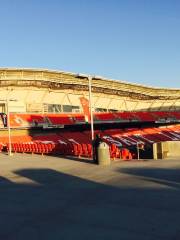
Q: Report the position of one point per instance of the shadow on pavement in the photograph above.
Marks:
(167, 177)
(59, 206)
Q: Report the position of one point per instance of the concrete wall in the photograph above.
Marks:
(166, 149)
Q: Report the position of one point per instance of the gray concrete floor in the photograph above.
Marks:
(55, 198)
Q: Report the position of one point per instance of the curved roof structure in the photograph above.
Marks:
(51, 79)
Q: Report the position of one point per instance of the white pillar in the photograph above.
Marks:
(9, 127)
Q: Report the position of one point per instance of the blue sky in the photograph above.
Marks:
(133, 40)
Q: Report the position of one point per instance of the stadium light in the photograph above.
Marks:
(89, 78)
(7, 100)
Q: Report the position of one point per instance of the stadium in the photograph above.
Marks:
(44, 112)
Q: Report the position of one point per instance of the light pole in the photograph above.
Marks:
(8, 126)
(89, 78)
(8, 123)
(91, 111)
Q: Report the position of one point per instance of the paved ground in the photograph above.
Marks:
(58, 199)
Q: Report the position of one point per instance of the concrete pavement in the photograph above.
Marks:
(45, 197)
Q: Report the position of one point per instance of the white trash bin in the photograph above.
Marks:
(103, 154)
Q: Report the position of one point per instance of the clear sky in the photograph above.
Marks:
(133, 40)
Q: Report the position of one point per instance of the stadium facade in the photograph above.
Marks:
(42, 90)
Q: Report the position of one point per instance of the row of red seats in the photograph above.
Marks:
(63, 149)
(130, 137)
(60, 119)
(47, 148)
(79, 144)
(32, 147)
(35, 120)
(136, 116)
(70, 143)
(83, 139)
